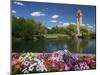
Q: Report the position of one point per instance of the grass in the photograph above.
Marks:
(54, 36)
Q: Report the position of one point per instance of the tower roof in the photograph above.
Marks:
(79, 13)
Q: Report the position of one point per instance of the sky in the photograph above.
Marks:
(53, 14)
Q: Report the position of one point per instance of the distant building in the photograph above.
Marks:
(79, 21)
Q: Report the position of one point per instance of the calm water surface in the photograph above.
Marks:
(49, 45)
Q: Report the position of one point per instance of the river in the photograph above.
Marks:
(49, 45)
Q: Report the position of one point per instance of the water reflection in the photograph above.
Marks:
(49, 45)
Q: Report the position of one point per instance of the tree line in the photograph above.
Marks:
(29, 29)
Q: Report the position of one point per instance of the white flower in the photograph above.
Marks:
(38, 68)
(35, 59)
(87, 67)
(84, 66)
(31, 68)
(43, 68)
(60, 58)
(77, 67)
(25, 71)
(34, 64)
(60, 52)
(65, 50)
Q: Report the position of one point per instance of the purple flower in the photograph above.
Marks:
(26, 63)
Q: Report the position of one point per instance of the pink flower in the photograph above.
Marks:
(14, 62)
(66, 67)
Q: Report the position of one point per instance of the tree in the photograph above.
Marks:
(92, 33)
(84, 31)
(17, 26)
(71, 30)
(40, 29)
(56, 29)
(27, 28)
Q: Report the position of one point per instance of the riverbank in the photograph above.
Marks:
(55, 36)
(76, 54)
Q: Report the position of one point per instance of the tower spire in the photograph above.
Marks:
(79, 21)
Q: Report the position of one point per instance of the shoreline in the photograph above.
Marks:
(90, 55)
(77, 54)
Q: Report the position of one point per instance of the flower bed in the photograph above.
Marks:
(57, 61)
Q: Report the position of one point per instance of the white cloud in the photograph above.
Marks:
(49, 27)
(55, 16)
(18, 17)
(94, 25)
(18, 3)
(64, 24)
(90, 26)
(13, 11)
(73, 23)
(54, 21)
(83, 24)
(37, 14)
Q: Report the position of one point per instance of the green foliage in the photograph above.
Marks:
(16, 29)
(71, 30)
(84, 31)
(92, 34)
(30, 29)
(56, 29)
(26, 28)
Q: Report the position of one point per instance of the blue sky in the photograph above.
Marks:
(52, 14)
